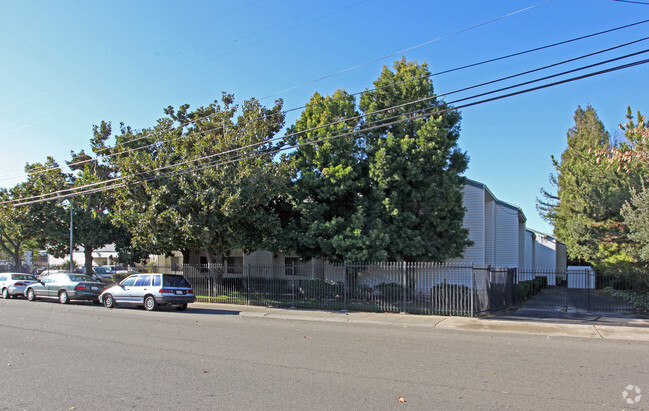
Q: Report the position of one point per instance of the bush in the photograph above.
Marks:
(118, 278)
(319, 288)
(391, 291)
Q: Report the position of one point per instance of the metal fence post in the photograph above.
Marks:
(404, 283)
(248, 287)
(473, 288)
(345, 285)
(292, 284)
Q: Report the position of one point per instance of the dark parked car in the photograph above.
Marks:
(65, 287)
(150, 291)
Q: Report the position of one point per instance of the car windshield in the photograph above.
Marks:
(174, 281)
(101, 270)
(22, 277)
(79, 278)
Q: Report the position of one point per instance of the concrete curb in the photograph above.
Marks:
(606, 332)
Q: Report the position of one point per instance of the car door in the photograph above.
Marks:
(141, 288)
(122, 292)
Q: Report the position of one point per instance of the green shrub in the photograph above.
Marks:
(319, 288)
(391, 291)
(523, 290)
(118, 278)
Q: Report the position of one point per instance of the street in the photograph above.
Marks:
(80, 357)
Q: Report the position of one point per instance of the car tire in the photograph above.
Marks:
(5, 294)
(150, 303)
(181, 307)
(63, 297)
(109, 301)
(31, 295)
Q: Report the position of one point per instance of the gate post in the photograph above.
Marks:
(292, 284)
(404, 283)
(248, 286)
(345, 285)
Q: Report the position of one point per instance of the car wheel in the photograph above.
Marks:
(5, 293)
(181, 307)
(109, 301)
(150, 303)
(63, 297)
(31, 295)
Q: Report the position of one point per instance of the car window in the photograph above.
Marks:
(174, 281)
(79, 278)
(156, 281)
(47, 280)
(129, 281)
(3, 278)
(23, 277)
(143, 281)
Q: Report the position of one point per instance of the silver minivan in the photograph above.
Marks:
(150, 290)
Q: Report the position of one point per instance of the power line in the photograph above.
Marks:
(634, 2)
(404, 50)
(70, 193)
(417, 79)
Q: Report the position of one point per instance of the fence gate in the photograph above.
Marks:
(571, 291)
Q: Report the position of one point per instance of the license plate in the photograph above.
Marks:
(94, 288)
(180, 292)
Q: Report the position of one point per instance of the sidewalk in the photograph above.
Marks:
(626, 329)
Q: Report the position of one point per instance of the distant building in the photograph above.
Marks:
(544, 252)
(104, 256)
(496, 228)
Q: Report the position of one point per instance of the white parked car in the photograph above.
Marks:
(13, 284)
(150, 290)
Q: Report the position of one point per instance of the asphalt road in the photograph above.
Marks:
(80, 356)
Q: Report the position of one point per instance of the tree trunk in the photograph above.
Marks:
(87, 252)
(185, 257)
(17, 259)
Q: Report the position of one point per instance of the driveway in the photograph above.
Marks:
(573, 305)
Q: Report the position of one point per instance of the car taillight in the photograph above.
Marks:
(19, 284)
(80, 287)
(165, 290)
(190, 291)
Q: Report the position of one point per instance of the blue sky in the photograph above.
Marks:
(70, 64)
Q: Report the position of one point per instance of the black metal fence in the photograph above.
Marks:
(415, 288)
(579, 290)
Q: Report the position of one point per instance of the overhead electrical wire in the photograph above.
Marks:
(411, 48)
(416, 79)
(72, 193)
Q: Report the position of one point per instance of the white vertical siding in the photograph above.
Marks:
(490, 230)
(473, 202)
(529, 251)
(521, 243)
(506, 237)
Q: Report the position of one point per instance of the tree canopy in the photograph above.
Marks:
(380, 180)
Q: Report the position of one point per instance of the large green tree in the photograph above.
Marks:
(633, 157)
(36, 223)
(202, 179)
(585, 211)
(384, 188)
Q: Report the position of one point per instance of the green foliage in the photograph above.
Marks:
(390, 291)
(202, 180)
(318, 288)
(586, 209)
(380, 191)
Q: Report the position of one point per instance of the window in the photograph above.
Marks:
(174, 281)
(156, 281)
(3, 278)
(289, 262)
(235, 265)
(129, 281)
(143, 281)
